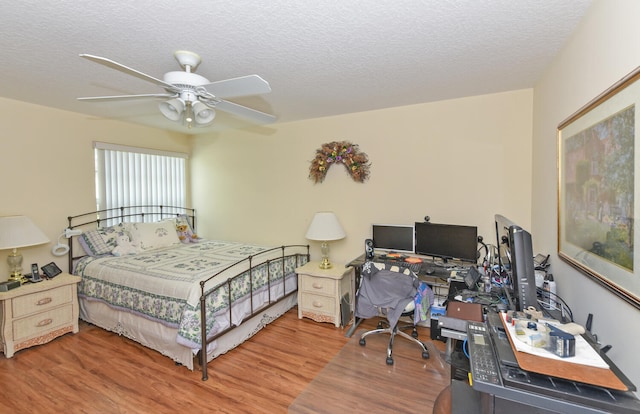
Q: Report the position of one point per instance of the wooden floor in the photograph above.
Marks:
(96, 371)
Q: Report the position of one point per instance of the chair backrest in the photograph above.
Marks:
(385, 289)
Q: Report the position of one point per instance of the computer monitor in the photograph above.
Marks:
(515, 252)
(393, 237)
(447, 241)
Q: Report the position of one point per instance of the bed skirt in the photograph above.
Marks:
(162, 338)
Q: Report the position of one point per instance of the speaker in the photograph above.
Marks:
(436, 331)
(368, 249)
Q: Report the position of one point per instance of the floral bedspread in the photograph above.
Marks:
(164, 284)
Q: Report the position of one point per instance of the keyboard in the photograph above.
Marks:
(414, 267)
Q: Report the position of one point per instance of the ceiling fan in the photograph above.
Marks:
(193, 99)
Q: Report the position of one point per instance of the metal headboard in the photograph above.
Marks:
(101, 218)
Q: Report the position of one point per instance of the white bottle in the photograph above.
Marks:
(549, 295)
(486, 279)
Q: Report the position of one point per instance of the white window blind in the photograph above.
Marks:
(129, 176)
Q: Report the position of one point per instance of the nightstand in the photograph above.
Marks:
(36, 313)
(320, 292)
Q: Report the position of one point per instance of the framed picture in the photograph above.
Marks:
(597, 187)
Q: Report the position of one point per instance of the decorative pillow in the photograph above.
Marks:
(100, 241)
(153, 235)
(125, 246)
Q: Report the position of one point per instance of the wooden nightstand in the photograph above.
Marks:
(320, 291)
(36, 313)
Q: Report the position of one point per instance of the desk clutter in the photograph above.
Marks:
(511, 340)
(418, 265)
(586, 382)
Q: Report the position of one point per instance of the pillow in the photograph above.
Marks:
(100, 241)
(153, 235)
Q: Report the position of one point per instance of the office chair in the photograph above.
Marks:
(391, 291)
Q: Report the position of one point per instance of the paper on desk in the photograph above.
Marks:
(585, 354)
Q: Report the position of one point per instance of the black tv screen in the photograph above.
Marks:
(393, 237)
(447, 241)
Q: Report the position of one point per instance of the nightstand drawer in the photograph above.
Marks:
(43, 322)
(320, 304)
(318, 285)
(42, 301)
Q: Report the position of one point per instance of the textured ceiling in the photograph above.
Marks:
(321, 58)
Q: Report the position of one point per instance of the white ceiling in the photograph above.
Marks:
(321, 57)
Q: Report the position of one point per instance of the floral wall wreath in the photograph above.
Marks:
(340, 152)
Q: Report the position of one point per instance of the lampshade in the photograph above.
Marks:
(203, 114)
(19, 231)
(172, 109)
(325, 227)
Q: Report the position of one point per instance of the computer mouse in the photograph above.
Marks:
(430, 271)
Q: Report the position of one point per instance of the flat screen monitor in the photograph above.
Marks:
(502, 241)
(447, 241)
(393, 237)
(515, 247)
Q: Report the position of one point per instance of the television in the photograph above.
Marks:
(447, 241)
(515, 253)
(393, 237)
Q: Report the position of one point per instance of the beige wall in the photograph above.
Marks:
(603, 50)
(458, 161)
(47, 168)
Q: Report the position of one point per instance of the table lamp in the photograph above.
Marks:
(16, 232)
(325, 227)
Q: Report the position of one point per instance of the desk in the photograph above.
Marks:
(510, 388)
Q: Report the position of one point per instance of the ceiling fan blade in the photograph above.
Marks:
(122, 68)
(123, 97)
(252, 115)
(235, 87)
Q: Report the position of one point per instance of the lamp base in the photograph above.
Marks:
(18, 277)
(14, 260)
(325, 264)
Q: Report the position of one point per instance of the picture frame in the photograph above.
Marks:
(596, 189)
(51, 270)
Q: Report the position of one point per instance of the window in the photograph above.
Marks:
(128, 176)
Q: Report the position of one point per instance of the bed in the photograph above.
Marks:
(147, 275)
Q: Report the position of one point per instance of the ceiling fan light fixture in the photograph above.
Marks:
(172, 109)
(203, 114)
(191, 98)
(188, 114)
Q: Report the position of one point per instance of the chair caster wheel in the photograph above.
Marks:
(425, 355)
(389, 361)
(414, 334)
(362, 342)
(380, 326)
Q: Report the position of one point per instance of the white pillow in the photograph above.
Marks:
(153, 235)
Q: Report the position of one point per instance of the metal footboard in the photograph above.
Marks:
(254, 262)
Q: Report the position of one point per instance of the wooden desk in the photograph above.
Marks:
(602, 377)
